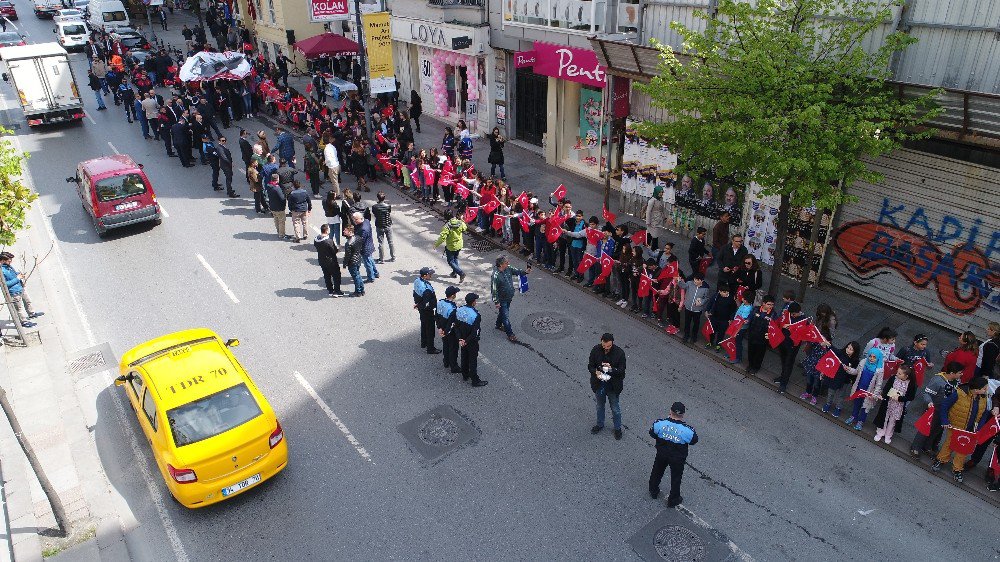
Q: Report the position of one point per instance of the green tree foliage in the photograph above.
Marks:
(787, 94)
(15, 197)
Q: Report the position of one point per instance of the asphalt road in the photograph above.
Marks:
(534, 484)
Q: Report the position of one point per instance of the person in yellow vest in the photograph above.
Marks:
(966, 409)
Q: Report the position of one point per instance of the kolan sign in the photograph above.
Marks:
(328, 10)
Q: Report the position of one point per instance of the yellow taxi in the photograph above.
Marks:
(212, 432)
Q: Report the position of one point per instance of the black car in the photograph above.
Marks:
(131, 39)
(136, 57)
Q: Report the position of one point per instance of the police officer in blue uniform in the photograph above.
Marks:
(425, 301)
(673, 437)
(467, 328)
(445, 317)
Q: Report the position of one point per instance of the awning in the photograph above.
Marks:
(622, 58)
(324, 45)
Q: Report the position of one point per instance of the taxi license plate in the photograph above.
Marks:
(241, 485)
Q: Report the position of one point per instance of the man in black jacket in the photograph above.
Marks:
(756, 335)
(445, 316)
(607, 374)
(467, 329)
(327, 250)
(425, 301)
(382, 212)
(673, 437)
(180, 135)
(226, 164)
(246, 149)
(730, 262)
(697, 250)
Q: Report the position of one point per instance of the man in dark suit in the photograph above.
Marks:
(226, 165)
(697, 250)
(180, 135)
(246, 149)
(730, 262)
(327, 250)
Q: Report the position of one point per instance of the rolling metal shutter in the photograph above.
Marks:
(925, 241)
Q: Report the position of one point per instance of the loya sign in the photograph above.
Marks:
(328, 10)
(569, 63)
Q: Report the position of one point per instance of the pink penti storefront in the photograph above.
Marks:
(577, 126)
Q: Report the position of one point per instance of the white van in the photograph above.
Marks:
(72, 34)
(108, 14)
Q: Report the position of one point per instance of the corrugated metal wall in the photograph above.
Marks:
(656, 24)
(958, 45)
(926, 240)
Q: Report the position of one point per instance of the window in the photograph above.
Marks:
(574, 15)
(136, 383)
(120, 187)
(74, 30)
(260, 12)
(212, 415)
(114, 16)
(149, 409)
(270, 10)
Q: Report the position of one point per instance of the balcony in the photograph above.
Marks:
(469, 12)
(457, 3)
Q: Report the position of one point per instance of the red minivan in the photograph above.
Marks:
(116, 192)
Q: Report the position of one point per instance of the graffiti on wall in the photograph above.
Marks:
(905, 239)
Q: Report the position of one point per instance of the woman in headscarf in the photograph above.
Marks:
(870, 379)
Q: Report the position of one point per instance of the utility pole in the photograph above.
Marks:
(14, 316)
(363, 53)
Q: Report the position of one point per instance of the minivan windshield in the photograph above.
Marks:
(114, 16)
(212, 415)
(74, 30)
(120, 187)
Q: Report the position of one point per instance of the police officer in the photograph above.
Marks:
(425, 301)
(446, 308)
(212, 154)
(467, 324)
(672, 439)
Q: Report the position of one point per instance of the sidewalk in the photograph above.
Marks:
(859, 319)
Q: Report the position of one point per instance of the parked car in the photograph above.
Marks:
(8, 10)
(72, 34)
(115, 192)
(11, 38)
(71, 14)
(132, 39)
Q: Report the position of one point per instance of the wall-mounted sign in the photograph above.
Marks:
(500, 92)
(447, 36)
(328, 10)
(524, 58)
(459, 43)
(568, 63)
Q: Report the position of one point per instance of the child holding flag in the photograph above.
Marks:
(898, 390)
(866, 389)
(849, 358)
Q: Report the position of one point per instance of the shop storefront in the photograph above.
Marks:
(573, 86)
(450, 65)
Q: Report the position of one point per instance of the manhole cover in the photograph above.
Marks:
(439, 432)
(675, 543)
(548, 325)
(481, 245)
(85, 362)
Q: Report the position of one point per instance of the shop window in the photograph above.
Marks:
(585, 129)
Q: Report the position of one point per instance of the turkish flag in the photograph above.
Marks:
(558, 219)
(608, 215)
(461, 191)
(994, 465)
(740, 289)
(890, 367)
(707, 330)
(471, 213)
(668, 272)
(586, 262)
(988, 431)
(645, 284)
(384, 161)
(525, 220)
(860, 394)
(919, 370)
(774, 334)
(446, 178)
(559, 193)
(963, 442)
(594, 236)
(672, 330)
(786, 318)
(415, 177)
(805, 331)
(309, 88)
(429, 174)
(523, 200)
(639, 238)
(498, 222)
(735, 325)
(606, 264)
(490, 206)
(729, 344)
(828, 364)
(552, 233)
(703, 264)
(923, 423)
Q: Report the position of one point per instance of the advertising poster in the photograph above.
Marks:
(378, 43)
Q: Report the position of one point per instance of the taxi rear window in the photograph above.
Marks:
(120, 187)
(212, 415)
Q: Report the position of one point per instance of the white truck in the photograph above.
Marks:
(43, 79)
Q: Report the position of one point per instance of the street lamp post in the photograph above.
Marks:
(363, 53)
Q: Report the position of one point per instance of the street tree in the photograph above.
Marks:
(789, 95)
(15, 197)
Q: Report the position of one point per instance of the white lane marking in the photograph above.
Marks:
(218, 279)
(163, 211)
(738, 552)
(510, 378)
(315, 228)
(89, 118)
(113, 149)
(866, 512)
(333, 417)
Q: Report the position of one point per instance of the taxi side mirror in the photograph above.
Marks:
(70, 180)
(232, 342)
(119, 381)
(5, 77)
